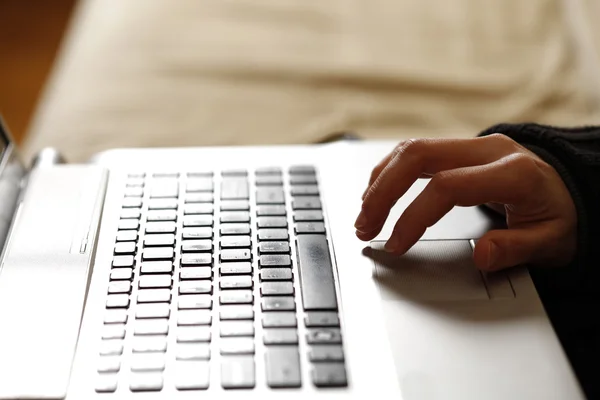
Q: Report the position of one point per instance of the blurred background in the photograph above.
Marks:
(89, 75)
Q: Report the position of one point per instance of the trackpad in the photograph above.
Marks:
(432, 270)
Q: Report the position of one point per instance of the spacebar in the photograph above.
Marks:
(316, 274)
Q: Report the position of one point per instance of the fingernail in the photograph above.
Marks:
(392, 244)
(492, 254)
(361, 221)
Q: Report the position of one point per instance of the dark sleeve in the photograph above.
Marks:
(570, 294)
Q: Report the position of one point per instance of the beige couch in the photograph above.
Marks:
(189, 72)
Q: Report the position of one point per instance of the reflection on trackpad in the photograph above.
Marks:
(432, 270)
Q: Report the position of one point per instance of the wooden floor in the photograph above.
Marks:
(30, 34)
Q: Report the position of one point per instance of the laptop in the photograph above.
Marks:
(234, 272)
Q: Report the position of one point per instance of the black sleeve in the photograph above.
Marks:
(570, 294)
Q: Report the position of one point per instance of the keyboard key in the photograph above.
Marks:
(270, 195)
(158, 253)
(273, 247)
(161, 215)
(161, 227)
(195, 287)
(111, 347)
(302, 170)
(234, 189)
(236, 328)
(268, 171)
(164, 190)
(106, 383)
(125, 248)
(194, 317)
(162, 204)
(276, 288)
(205, 197)
(151, 327)
(118, 274)
(152, 310)
(155, 281)
(119, 287)
(193, 334)
(237, 372)
(107, 364)
(154, 296)
(269, 180)
(237, 345)
(236, 282)
(165, 239)
(117, 301)
(236, 312)
(146, 382)
(305, 190)
(329, 375)
(273, 234)
(142, 362)
(321, 319)
(199, 185)
(198, 245)
(235, 268)
(136, 182)
(272, 222)
(196, 259)
(234, 172)
(277, 336)
(281, 319)
(235, 205)
(308, 216)
(316, 275)
(115, 316)
(132, 202)
(195, 273)
(276, 274)
(235, 229)
(165, 175)
(131, 213)
(127, 236)
(275, 260)
(193, 351)
(282, 364)
(309, 227)
(192, 375)
(280, 303)
(275, 211)
(235, 216)
(236, 255)
(236, 297)
(197, 233)
(198, 208)
(122, 261)
(194, 302)
(324, 336)
(197, 220)
(200, 174)
(113, 331)
(149, 344)
(325, 353)
(306, 203)
(157, 267)
(235, 242)
(303, 180)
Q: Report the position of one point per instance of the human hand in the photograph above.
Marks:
(493, 170)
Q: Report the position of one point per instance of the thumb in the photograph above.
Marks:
(499, 249)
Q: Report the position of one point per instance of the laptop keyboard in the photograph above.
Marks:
(203, 281)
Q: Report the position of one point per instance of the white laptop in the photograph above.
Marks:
(235, 273)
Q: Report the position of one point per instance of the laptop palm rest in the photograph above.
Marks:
(44, 277)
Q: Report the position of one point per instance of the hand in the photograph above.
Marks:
(493, 170)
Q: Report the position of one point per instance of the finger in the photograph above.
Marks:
(379, 167)
(500, 249)
(415, 158)
(509, 180)
(497, 207)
